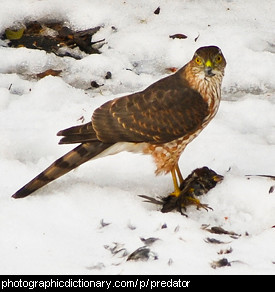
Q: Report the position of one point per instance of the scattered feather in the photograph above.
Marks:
(220, 263)
(142, 254)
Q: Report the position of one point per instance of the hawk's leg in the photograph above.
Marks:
(176, 171)
(179, 174)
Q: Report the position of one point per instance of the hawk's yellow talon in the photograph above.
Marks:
(194, 201)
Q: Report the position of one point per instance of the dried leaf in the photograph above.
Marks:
(178, 36)
(48, 73)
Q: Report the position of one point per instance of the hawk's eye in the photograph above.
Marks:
(218, 59)
(198, 61)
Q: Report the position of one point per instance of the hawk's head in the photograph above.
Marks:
(208, 61)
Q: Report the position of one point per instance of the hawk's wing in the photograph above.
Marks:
(166, 110)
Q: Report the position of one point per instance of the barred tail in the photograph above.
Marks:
(61, 166)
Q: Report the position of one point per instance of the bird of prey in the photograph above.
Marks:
(160, 121)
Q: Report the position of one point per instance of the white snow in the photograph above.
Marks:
(61, 229)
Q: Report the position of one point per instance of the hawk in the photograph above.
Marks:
(160, 121)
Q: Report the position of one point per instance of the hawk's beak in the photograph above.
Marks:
(217, 178)
(208, 69)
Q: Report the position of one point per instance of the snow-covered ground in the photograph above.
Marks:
(89, 221)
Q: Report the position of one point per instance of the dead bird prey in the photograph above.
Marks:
(198, 183)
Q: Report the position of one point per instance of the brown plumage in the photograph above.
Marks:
(160, 120)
